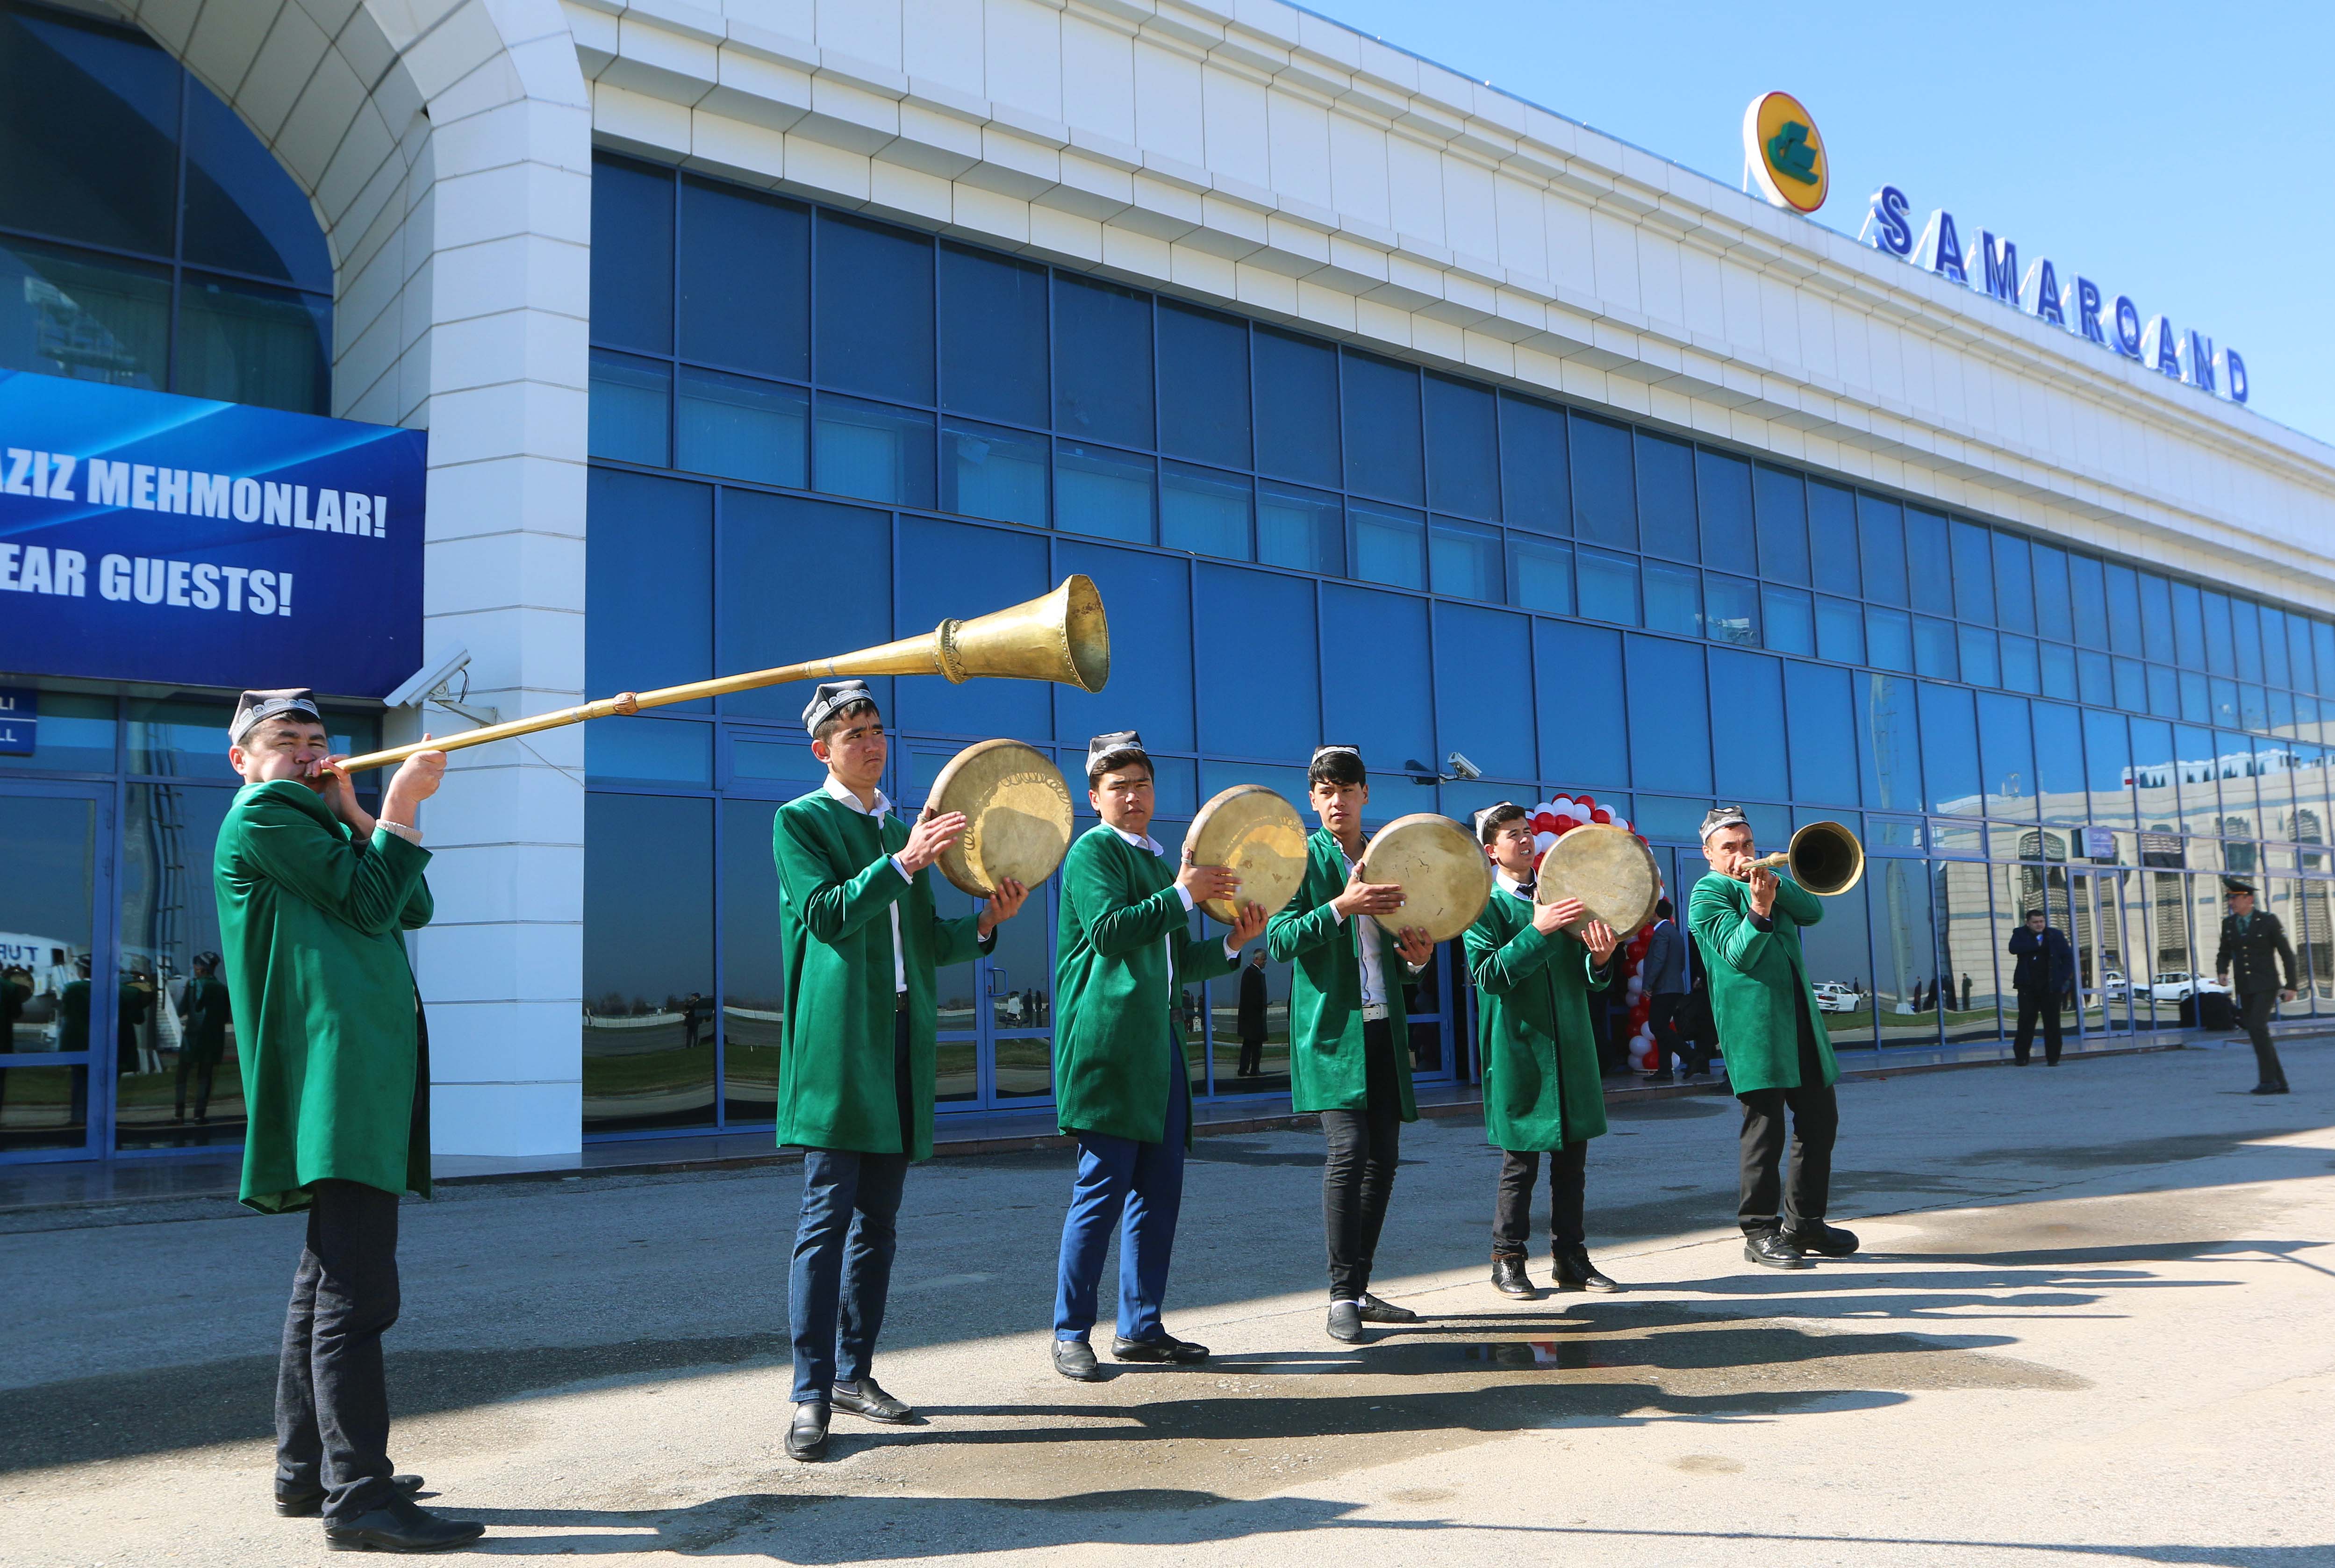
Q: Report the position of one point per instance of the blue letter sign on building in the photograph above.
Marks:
(150, 537)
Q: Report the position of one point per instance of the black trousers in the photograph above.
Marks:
(1815, 1122)
(2256, 1009)
(1358, 1172)
(1667, 1012)
(2034, 999)
(1252, 1056)
(1512, 1213)
(332, 1403)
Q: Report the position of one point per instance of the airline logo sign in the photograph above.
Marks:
(1784, 153)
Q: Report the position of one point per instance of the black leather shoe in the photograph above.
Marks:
(866, 1398)
(1768, 1249)
(2268, 1088)
(1166, 1347)
(1508, 1278)
(1346, 1322)
(1826, 1241)
(1659, 1078)
(807, 1433)
(1075, 1359)
(299, 1502)
(1375, 1310)
(1575, 1272)
(401, 1525)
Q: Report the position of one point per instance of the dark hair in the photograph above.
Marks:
(852, 710)
(1113, 761)
(1498, 817)
(1661, 909)
(1338, 768)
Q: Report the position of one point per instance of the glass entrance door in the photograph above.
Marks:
(2096, 931)
(57, 1006)
(995, 1047)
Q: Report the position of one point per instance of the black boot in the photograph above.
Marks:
(1509, 1277)
(400, 1524)
(1824, 1239)
(1768, 1249)
(1575, 1272)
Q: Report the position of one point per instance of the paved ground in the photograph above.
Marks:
(2090, 1325)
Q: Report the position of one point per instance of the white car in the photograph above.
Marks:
(2179, 986)
(1832, 996)
(2112, 985)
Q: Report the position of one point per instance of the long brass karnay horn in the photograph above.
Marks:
(1061, 636)
(1825, 857)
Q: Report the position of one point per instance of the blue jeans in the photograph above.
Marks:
(842, 1266)
(1144, 1181)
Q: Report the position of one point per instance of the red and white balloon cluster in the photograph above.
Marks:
(1553, 819)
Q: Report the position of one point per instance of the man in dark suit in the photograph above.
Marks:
(1661, 975)
(1252, 1002)
(2047, 967)
(2250, 937)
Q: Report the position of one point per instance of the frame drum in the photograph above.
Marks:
(1607, 869)
(1445, 875)
(1250, 830)
(1017, 816)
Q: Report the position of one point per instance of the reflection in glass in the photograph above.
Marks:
(1905, 957)
(1673, 756)
(1933, 648)
(2014, 583)
(1102, 362)
(993, 325)
(84, 317)
(1979, 667)
(1840, 631)
(2059, 662)
(957, 1052)
(873, 330)
(2022, 670)
(76, 735)
(1780, 501)
(1666, 517)
(1673, 598)
(1388, 544)
(745, 292)
(1731, 614)
(1463, 449)
(1533, 467)
(764, 541)
(1244, 713)
(1296, 407)
(1822, 733)
(1541, 574)
(632, 254)
(1102, 492)
(648, 587)
(1150, 674)
(178, 1082)
(872, 453)
(1929, 561)
(184, 737)
(1723, 497)
(630, 401)
(1383, 431)
(1465, 559)
(88, 125)
(649, 1020)
(1950, 750)
(646, 751)
(2060, 763)
(742, 428)
(1747, 714)
(1889, 744)
(2094, 683)
(1585, 732)
(2054, 611)
(1790, 617)
(1608, 585)
(2007, 753)
(1973, 572)
(1880, 548)
(988, 472)
(1604, 498)
(1302, 529)
(47, 923)
(753, 963)
(1204, 512)
(1838, 950)
(1248, 1017)
(1204, 385)
(1889, 639)
(1968, 996)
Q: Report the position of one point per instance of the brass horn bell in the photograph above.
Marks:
(1824, 858)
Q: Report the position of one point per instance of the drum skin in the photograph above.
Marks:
(1017, 811)
(1445, 875)
(1605, 867)
(1250, 830)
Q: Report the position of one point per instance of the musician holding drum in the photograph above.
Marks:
(1124, 952)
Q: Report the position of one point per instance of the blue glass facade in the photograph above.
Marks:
(812, 432)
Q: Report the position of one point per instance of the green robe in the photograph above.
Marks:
(73, 1016)
(836, 888)
(1118, 1031)
(1542, 1088)
(1758, 980)
(1326, 1068)
(335, 1077)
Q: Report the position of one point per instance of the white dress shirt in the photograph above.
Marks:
(1144, 841)
(1521, 889)
(881, 810)
(1374, 993)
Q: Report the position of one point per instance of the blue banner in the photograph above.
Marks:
(150, 537)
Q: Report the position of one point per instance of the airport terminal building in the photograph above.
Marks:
(620, 345)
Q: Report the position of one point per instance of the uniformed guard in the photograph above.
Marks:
(1539, 1052)
(203, 1017)
(315, 896)
(1123, 954)
(856, 1082)
(1748, 921)
(1349, 1038)
(2249, 938)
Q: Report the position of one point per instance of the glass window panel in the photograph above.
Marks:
(76, 735)
(1781, 502)
(2124, 608)
(1889, 638)
(1673, 598)
(2022, 670)
(2059, 662)
(1905, 959)
(1820, 735)
(2198, 763)
(1832, 538)
(630, 409)
(168, 914)
(2189, 627)
(1731, 610)
(1296, 407)
(648, 963)
(1103, 361)
(2131, 686)
(1604, 498)
(1673, 753)
(1973, 572)
(1840, 630)
(1880, 548)
(2164, 691)
(1481, 659)
(2014, 583)
(2060, 763)
(2253, 708)
(2108, 750)
(1723, 496)
(1837, 951)
(2088, 600)
(1463, 449)
(1269, 703)
(993, 337)
(990, 471)
(1747, 714)
(648, 594)
(2007, 755)
(1384, 703)
(1608, 585)
(2233, 767)
(1382, 429)
(1666, 520)
(2157, 778)
(2156, 632)
(871, 451)
(2054, 613)
(1976, 645)
(949, 568)
(249, 342)
(2298, 648)
(1929, 561)
(742, 428)
(1790, 620)
(745, 280)
(1204, 510)
(1888, 743)
(1541, 574)
(874, 327)
(2274, 783)
(651, 751)
(179, 738)
(632, 254)
(1537, 492)
(243, 211)
(1387, 545)
(112, 179)
(2095, 678)
(2282, 711)
(1933, 648)
(2246, 626)
(1301, 529)
(1100, 491)
(1150, 685)
(1949, 755)
(1969, 941)
(84, 317)
(765, 541)
(1464, 558)
(2322, 656)
(2223, 695)
(2221, 648)
(1203, 385)
(753, 965)
(1584, 734)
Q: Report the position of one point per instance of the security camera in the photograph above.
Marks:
(429, 677)
(1463, 768)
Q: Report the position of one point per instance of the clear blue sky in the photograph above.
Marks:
(2180, 154)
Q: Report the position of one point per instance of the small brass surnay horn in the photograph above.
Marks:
(1825, 857)
(1061, 636)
